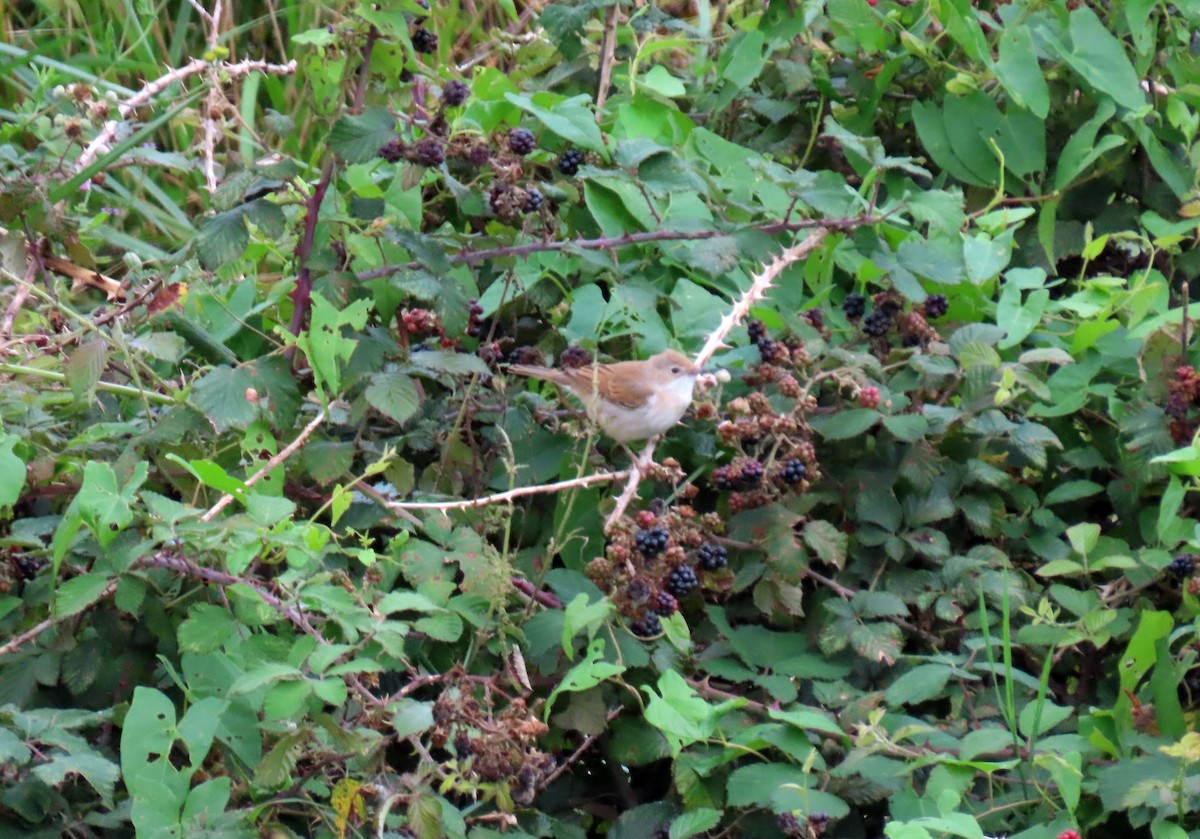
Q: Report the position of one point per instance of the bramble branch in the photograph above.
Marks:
(195, 67)
(509, 495)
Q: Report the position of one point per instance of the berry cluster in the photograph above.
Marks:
(424, 41)
(1182, 566)
(569, 162)
(455, 93)
(521, 141)
(936, 306)
(1183, 391)
(712, 557)
(646, 626)
(854, 305)
(502, 742)
(652, 542)
(681, 581)
(575, 356)
(475, 323)
(793, 471)
(868, 397)
(790, 825)
(421, 323)
(889, 313)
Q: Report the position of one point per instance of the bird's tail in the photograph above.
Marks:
(546, 374)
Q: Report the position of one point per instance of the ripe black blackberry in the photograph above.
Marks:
(854, 306)
(877, 323)
(653, 541)
(766, 349)
(936, 305)
(1183, 565)
(788, 824)
(756, 330)
(393, 150)
(430, 152)
(521, 141)
(455, 93)
(533, 200)
(28, 566)
(569, 162)
(681, 581)
(424, 41)
(752, 473)
(575, 356)
(793, 471)
(664, 604)
(648, 626)
(712, 557)
(891, 307)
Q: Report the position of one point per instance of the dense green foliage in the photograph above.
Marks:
(923, 565)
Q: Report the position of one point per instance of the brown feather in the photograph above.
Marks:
(621, 383)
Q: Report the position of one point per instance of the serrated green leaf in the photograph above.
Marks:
(356, 138)
(394, 395)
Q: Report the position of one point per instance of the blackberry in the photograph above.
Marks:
(430, 152)
(652, 542)
(681, 581)
(28, 566)
(854, 305)
(911, 341)
(890, 306)
(766, 348)
(638, 590)
(462, 743)
(663, 831)
(720, 478)
(712, 557)
(392, 151)
(521, 141)
(789, 825)
(649, 625)
(756, 330)
(752, 473)
(1183, 565)
(877, 323)
(455, 93)
(533, 201)
(424, 41)
(794, 471)
(818, 820)
(664, 604)
(936, 305)
(569, 161)
(816, 317)
(575, 356)
(1176, 406)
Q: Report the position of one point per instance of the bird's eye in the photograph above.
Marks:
(674, 369)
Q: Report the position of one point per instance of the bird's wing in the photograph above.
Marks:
(614, 383)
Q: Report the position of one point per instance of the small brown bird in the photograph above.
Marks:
(629, 400)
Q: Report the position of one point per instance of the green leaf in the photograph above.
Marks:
(394, 395)
(1017, 69)
(221, 396)
(327, 348)
(680, 714)
(85, 364)
(827, 542)
(693, 822)
(742, 59)
(77, 593)
(1100, 58)
(845, 424)
(450, 363)
(223, 238)
(12, 471)
(589, 672)
(356, 138)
